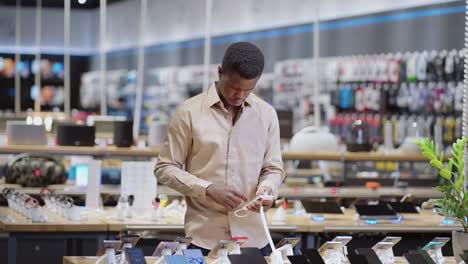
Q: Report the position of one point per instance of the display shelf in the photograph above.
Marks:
(303, 192)
(105, 221)
(92, 260)
(154, 151)
(91, 151)
(11, 221)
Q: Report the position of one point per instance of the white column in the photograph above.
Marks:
(465, 98)
(316, 82)
(66, 16)
(140, 69)
(18, 57)
(207, 50)
(37, 77)
(102, 55)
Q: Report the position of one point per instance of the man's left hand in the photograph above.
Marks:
(267, 204)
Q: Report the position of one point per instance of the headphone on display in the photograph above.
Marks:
(33, 170)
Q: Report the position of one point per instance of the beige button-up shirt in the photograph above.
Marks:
(244, 156)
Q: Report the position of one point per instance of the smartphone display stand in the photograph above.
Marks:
(286, 250)
(108, 257)
(180, 248)
(437, 256)
(333, 254)
(384, 251)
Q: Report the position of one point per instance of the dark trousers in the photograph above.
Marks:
(266, 251)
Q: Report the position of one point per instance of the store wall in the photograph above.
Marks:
(436, 27)
(83, 39)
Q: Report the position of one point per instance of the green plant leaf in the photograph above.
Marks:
(436, 163)
(459, 183)
(446, 174)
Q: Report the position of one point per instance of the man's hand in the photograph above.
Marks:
(225, 196)
(267, 204)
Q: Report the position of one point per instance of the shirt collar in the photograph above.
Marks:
(213, 97)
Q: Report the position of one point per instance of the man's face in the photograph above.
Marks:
(235, 89)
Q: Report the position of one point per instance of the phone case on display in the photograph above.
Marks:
(394, 71)
(450, 65)
(359, 101)
(438, 96)
(459, 65)
(414, 98)
(439, 65)
(403, 97)
(421, 70)
(459, 97)
(411, 68)
(346, 97)
(448, 130)
(458, 127)
(402, 69)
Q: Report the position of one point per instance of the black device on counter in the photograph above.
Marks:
(313, 207)
(298, 259)
(378, 211)
(418, 257)
(357, 259)
(248, 255)
(370, 255)
(313, 255)
(135, 256)
(123, 133)
(75, 135)
(404, 207)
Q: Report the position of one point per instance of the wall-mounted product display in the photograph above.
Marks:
(50, 93)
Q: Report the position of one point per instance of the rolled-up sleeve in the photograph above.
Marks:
(169, 168)
(272, 173)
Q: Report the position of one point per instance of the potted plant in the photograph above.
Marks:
(454, 203)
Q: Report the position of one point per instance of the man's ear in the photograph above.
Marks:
(220, 71)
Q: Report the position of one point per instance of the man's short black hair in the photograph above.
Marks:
(244, 58)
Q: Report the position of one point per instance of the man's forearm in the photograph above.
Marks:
(181, 181)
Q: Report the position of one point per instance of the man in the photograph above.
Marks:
(228, 140)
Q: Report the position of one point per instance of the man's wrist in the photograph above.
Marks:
(206, 189)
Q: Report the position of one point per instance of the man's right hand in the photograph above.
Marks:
(225, 196)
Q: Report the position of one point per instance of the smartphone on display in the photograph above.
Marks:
(115, 244)
(227, 245)
(394, 240)
(436, 243)
(328, 246)
(383, 246)
(184, 240)
(288, 240)
(165, 245)
(343, 239)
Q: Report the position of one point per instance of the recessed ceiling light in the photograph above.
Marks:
(82, 2)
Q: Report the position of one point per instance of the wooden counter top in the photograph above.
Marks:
(285, 191)
(96, 221)
(424, 222)
(92, 260)
(11, 221)
(91, 151)
(152, 152)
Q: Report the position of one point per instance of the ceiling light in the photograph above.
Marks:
(82, 2)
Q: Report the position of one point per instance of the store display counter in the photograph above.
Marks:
(303, 192)
(85, 236)
(112, 151)
(92, 260)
